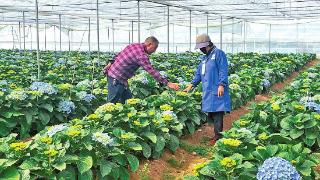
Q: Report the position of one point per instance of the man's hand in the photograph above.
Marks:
(106, 68)
(173, 86)
(189, 87)
(220, 91)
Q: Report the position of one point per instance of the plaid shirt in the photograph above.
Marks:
(128, 61)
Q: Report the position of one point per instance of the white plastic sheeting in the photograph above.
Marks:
(75, 14)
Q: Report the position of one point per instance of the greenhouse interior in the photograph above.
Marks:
(160, 89)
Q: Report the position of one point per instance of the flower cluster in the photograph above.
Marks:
(263, 114)
(309, 103)
(275, 106)
(57, 128)
(277, 168)
(231, 142)
(133, 101)
(46, 140)
(109, 107)
(265, 83)
(73, 131)
(128, 136)
(163, 74)
(3, 83)
(168, 115)
(93, 117)
(17, 95)
(197, 167)
(312, 75)
(60, 63)
(18, 146)
(35, 93)
(181, 93)
(263, 136)
(43, 87)
(234, 77)
(166, 107)
(51, 152)
(85, 96)
(243, 122)
(66, 107)
(103, 138)
(84, 84)
(234, 86)
(228, 162)
(142, 78)
(65, 86)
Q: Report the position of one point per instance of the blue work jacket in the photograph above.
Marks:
(214, 73)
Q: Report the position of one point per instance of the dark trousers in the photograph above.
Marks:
(217, 119)
(117, 92)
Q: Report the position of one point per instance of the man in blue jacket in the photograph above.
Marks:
(213, 73)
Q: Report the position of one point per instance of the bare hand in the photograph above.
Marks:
(189, 87)
(106, 68)
(173, 86)
(220, 91)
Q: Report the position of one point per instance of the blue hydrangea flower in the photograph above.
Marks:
(234, 77)
(164, 74)
(84, 84)
(66, 107)
(43, 87)
(89, 97)
(144, 80)
(3, 89)
(309, 103)
(57, 128)
(266, 83)
(276, 168)
(85, 96)
(103, 138)
(3, 83)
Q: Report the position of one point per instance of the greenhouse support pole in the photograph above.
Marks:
(60, 31)
(54, 38)
(269, 38)
(19, 36)
(207, 23)
(31, 35)
(112, 23)
(297, 34)
(89, 36)
(232, 36)
(173, 42)
(221, 32)
(45, 36)
(69, 39)
(129, 36)
(38, 53)
(139, 21)
(244, 35)
(24, 31)
(131, 31)
(98, 38)
(168, 30)
(190, 32)
(12, 37)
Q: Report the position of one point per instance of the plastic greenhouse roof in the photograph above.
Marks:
(75, 14)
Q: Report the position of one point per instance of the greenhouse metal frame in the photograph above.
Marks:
(76, 15)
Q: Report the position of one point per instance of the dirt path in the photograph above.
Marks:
(175, 166)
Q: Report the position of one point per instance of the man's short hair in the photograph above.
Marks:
(152, 39)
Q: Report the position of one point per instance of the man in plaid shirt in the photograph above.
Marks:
(124, 66)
